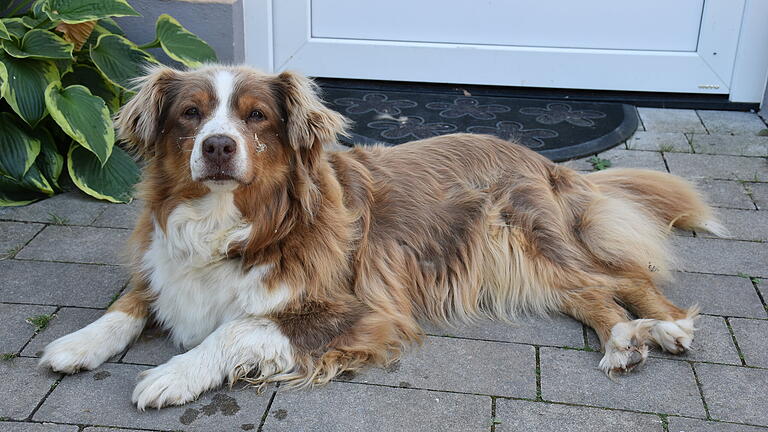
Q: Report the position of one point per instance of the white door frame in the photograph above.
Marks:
(268, 21)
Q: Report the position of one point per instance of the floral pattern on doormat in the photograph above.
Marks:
(413, 127)
(376, 102)
(466, 106)
(516, 132)
(393, 114)
(556, 113)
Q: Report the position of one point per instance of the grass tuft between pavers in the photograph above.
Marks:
(40, 321)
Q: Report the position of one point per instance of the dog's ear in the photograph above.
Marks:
(308, 123)
(139, 122)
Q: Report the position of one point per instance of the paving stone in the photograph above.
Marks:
(557, 330)
(715, 294)
(516, 415)
(724, 193)
(640, 125)
(743, 224)
(621, 158)
(730, 257)
(712, 342)
(593, 342)
(59, 283)
(103, 397)
(27, 384)
(16, 331)
(681, 232)
(581, 164)
(109, 429)
(724, 167)
(751, 336)
(77, 244)
(671, 120)
(760, 194)
(662, 386)
(348, 407)
(66, 321)
(72, 208)
(659, 141)
(735, 394)
(119, 215)
(37, 427)
(681, 424)
(731, 122)
(14, 235)
(461, 365)
(739, 145)
(152, 348)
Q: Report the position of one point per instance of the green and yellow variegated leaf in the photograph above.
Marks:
(120, 60)
(64, 66)
(4, 31)
(182, 45)
(111, 25)
(13, 193)
(15, 27)
(50, 162)
(90, 77)
(39, 44)
(18, 149)
(23, 85)
(82, 116)
(35, 180)
(37, 22)
(37, 9)
(77, 11)
(114, 181)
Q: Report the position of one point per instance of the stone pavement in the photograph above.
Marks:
(61, 260)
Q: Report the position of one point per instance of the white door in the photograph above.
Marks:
(686, 46)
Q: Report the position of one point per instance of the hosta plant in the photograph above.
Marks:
(65, 68)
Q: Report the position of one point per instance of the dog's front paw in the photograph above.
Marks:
(92, 345)
(182, 379)
(163, 386)
(73, 353)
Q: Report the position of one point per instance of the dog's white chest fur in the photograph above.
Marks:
(198, 287)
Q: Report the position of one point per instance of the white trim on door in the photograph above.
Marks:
(750, 71)
(278, 36)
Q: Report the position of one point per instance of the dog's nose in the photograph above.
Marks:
(219, 149)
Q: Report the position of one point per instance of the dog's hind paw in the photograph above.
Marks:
(626, 349)
(674, 337)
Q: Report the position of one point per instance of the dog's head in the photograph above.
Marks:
(226, 126)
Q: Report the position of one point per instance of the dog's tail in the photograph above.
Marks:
(672, 200)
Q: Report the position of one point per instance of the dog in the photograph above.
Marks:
(272, 259)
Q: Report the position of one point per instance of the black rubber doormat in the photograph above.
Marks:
(558, 129)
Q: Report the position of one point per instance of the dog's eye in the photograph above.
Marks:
(192, 112)
(256, 115)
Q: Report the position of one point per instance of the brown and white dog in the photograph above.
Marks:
(274, 260)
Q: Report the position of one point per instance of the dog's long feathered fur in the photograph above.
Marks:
(374, 241)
